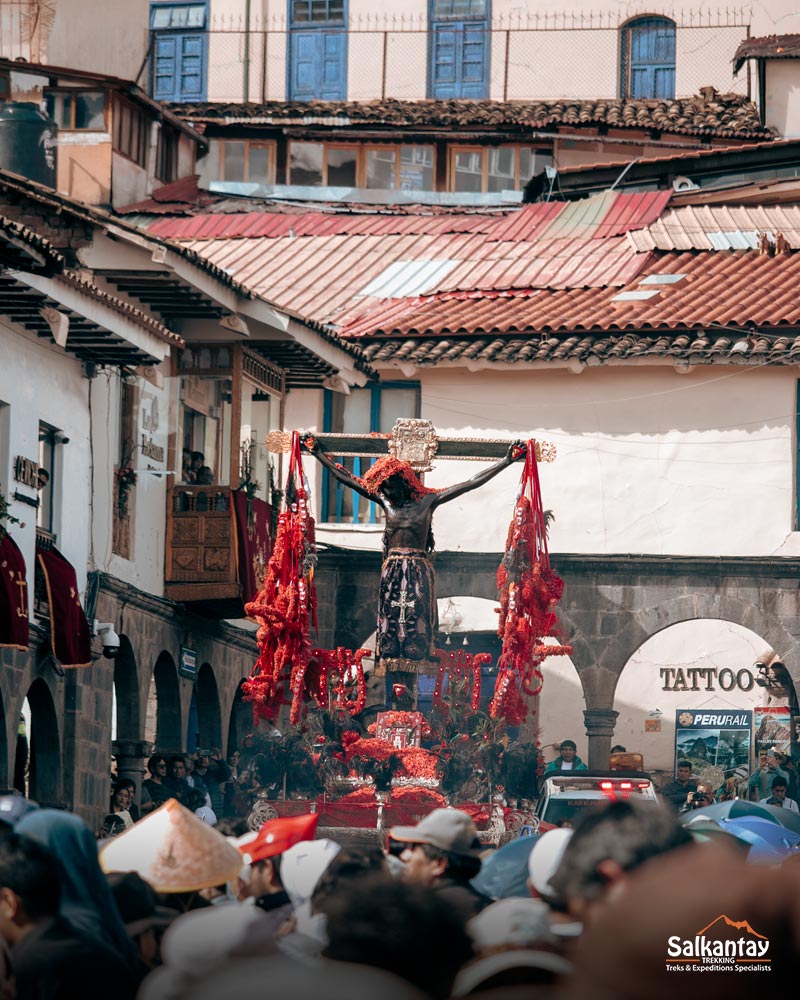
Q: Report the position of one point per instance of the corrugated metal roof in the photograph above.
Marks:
(274, 226)
(322, 278)
(705, 290)
(719, 227)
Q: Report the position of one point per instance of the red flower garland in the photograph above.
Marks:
(285, 606)
(459, 666)
(340, 664)
(529, 592)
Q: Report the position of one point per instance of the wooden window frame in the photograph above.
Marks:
(167, 154)
(120, 105)
(72, 91)
(269, 144)
(361, 150)
(640, 22)
(453, 150)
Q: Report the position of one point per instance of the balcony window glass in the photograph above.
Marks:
(416, 168)
(341, 167)
(233, 163)
(501, 169)
(382, 168)
(306, 161)
(78, 109)
(178, 16)
(468, 170)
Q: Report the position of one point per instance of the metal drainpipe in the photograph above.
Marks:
(246, 65)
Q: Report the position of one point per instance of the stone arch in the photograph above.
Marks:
(44, 764)
(126, 691)
(3, 745)
(165, 690)
(209, 720)
(240, 721)
(703, 650)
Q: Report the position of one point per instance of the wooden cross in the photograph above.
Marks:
(412, 441)
(403, 604)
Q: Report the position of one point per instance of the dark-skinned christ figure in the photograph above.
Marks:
(407, 619)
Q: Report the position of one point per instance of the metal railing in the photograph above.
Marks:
(540, 55)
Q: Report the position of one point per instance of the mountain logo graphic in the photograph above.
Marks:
(722, 945)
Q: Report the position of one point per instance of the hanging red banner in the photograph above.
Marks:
(70, 636)
(13, 596)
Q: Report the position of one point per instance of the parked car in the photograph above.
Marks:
(566, 795)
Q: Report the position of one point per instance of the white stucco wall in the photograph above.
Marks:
(98, 35)
(42, 383)
(782, 98)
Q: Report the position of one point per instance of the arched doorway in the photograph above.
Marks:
(701, 664)
(209, 720)
(240, 721)
(44, 746)
(126, 693)
(163, 727)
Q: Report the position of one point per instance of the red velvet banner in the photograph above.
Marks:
(364, 816)
(13, 596)
(253, 542)
(70, 637)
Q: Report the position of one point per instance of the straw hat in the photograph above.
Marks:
(173, 850)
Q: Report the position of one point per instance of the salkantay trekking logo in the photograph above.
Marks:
(725, 945)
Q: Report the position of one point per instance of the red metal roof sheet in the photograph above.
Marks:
(685, 290)
(323, 278)
(275, 226)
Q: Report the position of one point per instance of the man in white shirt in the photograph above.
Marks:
(778, 797)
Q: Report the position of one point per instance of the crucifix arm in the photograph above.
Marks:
(514, 453)
(309, 443)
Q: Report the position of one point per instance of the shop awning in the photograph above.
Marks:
(13, 596)
(70, 636)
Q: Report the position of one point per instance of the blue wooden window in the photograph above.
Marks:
(317, 50)
(459, 49)
(374, 408)
(179, 51)
(648, 58)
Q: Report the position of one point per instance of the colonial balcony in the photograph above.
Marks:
(201, 553)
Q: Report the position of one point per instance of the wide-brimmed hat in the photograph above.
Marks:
(137, 903)
(448, 829)
(173, 850)
(277, 836)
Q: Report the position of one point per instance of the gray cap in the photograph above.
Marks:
(448, 829)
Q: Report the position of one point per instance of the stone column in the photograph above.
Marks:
(600, 723)
(131, 756)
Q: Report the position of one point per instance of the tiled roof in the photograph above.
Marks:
(21, 247)
(710, 114)
(719, 228)
(767, 47)
(662, 313)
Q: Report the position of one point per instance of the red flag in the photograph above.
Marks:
(70, 637)
(13, 596)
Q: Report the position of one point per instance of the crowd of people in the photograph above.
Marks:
(173, 907)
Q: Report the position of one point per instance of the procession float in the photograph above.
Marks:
(320, 743)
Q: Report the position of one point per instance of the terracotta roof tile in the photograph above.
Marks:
(725, 115)
(767, 47)
(721, 293)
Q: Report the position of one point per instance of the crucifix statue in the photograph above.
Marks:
(407, 617)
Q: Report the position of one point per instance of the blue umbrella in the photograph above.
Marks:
(505, 872)
(741, 807)
(771, 843)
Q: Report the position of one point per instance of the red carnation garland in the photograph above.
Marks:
(529, 592)
(341, 665)
(460, 667)
(285, 605)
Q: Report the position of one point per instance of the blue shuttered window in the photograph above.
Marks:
(648, 58)
(371, 409)
(180, 51)
(318, 50)
(459, 49)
